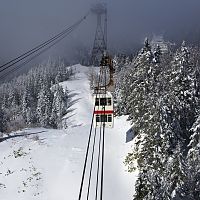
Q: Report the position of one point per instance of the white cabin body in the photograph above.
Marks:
(102, 114)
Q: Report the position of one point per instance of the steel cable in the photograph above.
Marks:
(35, 49)
(36, 55)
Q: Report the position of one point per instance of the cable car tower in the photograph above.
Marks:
(100, 41)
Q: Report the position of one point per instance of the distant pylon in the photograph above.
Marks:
(100, 41)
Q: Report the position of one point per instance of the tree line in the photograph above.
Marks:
(161, 95)
(35, 98)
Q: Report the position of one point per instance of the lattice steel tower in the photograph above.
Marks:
(100, 41)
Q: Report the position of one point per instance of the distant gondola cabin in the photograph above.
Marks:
(103, 115)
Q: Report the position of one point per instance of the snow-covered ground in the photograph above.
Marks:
(48, 165)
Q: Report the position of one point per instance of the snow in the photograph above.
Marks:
(49, 167)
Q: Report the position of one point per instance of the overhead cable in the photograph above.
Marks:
(44, 44)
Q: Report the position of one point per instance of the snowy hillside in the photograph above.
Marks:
(48, 165)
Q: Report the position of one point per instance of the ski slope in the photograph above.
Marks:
(48, 165)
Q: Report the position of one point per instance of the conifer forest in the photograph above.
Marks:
(161, 95)
(36, 98)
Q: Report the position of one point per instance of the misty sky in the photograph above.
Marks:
(26, 23)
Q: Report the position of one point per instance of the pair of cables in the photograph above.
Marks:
(38, 50)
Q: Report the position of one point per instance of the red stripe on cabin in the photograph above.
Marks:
(103, 112)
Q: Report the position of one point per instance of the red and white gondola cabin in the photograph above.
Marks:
(101, 115)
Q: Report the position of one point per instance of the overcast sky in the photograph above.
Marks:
(26, 23)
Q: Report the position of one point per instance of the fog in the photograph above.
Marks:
(26, 23)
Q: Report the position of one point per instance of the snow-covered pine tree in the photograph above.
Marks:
(127, 77)
(175, 172)
(190, 189)
(59, 106)
(58, 77)
(44, 106)
(157, 54)
(12, 111)
(142, 101)
(2, 120)
(28, 107)
(122, 91)
(181, 80)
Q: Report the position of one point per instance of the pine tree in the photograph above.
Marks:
(2, 120)
(182, 87)
(59, 106)
(44, 106)
(28, 107)
(157, 55)
(191, 188)
(143, 105)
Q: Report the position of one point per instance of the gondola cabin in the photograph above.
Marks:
(102, 115)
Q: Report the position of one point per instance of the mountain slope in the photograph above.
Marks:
(48, 165)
